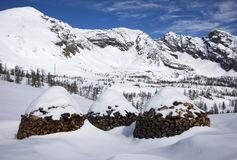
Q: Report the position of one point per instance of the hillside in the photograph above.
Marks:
(30, 39)
(128, 60)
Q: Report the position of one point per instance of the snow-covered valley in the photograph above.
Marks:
(89, 143)
(71, 93)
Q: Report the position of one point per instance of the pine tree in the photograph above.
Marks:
(1, 68)
(50, 79)
(8, 77)
(235, 107)
(185, 92)
(42, 77)
(75, 88)
(17, 72)
(38, 80)
(205, 107)
(223, 106)
(33, 79)
(215, 109)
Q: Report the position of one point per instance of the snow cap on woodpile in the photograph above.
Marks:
(171, 99)
(53, 102)
(110, 102)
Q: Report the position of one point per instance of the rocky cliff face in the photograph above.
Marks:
(126, 39)
(218, 46)
(27, 36)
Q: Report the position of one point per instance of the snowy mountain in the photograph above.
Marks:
(218, 46)
(33, 40)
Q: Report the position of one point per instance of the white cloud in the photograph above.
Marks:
(125, 5)
(180, 16)
(126, 15)
(173, 16)
(131, 5)
(127, 9)
(189, 26)
(193, 25)
(226, 11)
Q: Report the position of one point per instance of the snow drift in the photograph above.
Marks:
(114, 101)
(53, 102)
(170, 99)
(53, 111)
(111, 110)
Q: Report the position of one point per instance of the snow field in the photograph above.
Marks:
(90, 143)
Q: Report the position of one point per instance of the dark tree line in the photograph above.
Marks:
(137, 99)
(37, 78)
(211, 81)
(208, 94)
(90, 91)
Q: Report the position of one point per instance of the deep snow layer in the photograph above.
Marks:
(54, 101)
(166, 96)
(89, 143)
(112, 100)
(15, 98)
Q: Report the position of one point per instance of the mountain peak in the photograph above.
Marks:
(218, 33)
(170, 34)
(23, 10)
(35, 37)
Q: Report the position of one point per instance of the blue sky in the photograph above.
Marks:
(155, 17)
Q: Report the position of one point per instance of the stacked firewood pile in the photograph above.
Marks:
(33, 125)
(153, 124)
(107, 122)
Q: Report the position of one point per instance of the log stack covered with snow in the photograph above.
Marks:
(111, 110)
(53, 111)
(168, 113)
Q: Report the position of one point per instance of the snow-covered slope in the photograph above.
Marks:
(16, 98)
(53, 102)
(112, 101)
(90, 143)
(219, 48)
(33, 40)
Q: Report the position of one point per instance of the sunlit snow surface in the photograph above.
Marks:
(26, 40)
(115, 100)
(89, 143)
(166, 96)
(54, 101)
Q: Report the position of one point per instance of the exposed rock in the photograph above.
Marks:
(68, 41)
(118, 38)
(218, 46)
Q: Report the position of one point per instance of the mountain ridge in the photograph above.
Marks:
(113, 50)
(218, 46)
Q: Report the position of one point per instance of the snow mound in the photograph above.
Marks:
(164, 102)
(166, 96)
(53, 102)
(114, 101)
